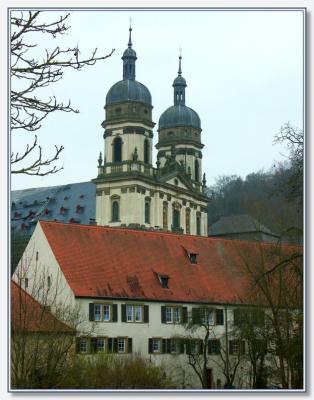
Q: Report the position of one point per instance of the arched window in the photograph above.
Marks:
(146, 151)
(117, 150)
(147, 211)
(197, 170)
(176, 216)
(187, 221)
(115, 211)
(198, 224)
(165, 216)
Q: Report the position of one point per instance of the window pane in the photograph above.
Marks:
(168, 314)
(97, 312)
(138, 313)
(174, 346)
(156, 345)
(121, 345)
(83, 345)
(117, 151)
(115, 211)
(177, 315)
(100, 344)
(106, 312)
(129, 313)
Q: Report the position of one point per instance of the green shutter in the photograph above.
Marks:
(115, 345)
(188, 346)
(236, 317)
(146, 313)
(91, 312)
(123, 312)
(164, 346)
(184, 315)
(196, 316)
(110, 345)
(219, 317)
(77, 345)
(150, 346)
(242, 347)
(163, 314)
(129, 345)
(93, 345)
(201, 346)
(181, 345)
(114, 313)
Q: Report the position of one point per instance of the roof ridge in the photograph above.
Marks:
(155, 232)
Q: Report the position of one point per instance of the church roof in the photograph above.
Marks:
(179, 115)
(128, 90)
(123, 263)
(74, 202)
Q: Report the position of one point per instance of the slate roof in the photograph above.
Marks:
(28, 315)
(122, 263)
(237, 224)
(75, 202)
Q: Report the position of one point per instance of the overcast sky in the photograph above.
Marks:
(244, 71)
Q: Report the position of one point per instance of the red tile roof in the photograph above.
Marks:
(28, 315)
(123, 263)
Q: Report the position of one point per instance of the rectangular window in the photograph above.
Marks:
(106, 312)
(97, 312)
(195, 347)
(83, 345)
(174, 346)
(134, 313)
(121, 345)
(214, 346)
(207, 316)
(100, 344)
(169, 319)
(236, 347)
(129, 313)
(138, 313)
(177, 315)
(156, 346)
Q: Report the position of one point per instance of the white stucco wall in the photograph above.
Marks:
(132, 205)
(37, 269)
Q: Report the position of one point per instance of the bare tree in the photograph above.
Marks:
(43, 327)
(276, 282)
(205, 348)
(31, 73)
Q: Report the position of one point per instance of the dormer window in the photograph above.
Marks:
(192, 254)
(193, 258)
(164, 280)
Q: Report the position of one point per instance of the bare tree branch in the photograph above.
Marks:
(30, 73)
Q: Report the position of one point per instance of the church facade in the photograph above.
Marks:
(130, 191)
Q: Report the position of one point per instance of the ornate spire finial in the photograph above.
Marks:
(130, 30)
(180, 58)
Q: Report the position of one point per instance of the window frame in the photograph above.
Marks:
(119, 338)
(102, 315)
(157, 340)
(81, 341)
(133, 308)
(175, 313)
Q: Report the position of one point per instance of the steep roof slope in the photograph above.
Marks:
(28, 315)
(121, 263)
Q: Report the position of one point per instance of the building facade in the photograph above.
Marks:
(130, 191)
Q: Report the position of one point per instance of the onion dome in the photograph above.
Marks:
(179, 114)
(128, 89)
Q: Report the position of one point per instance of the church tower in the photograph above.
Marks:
(180, 126)
(130, 192)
